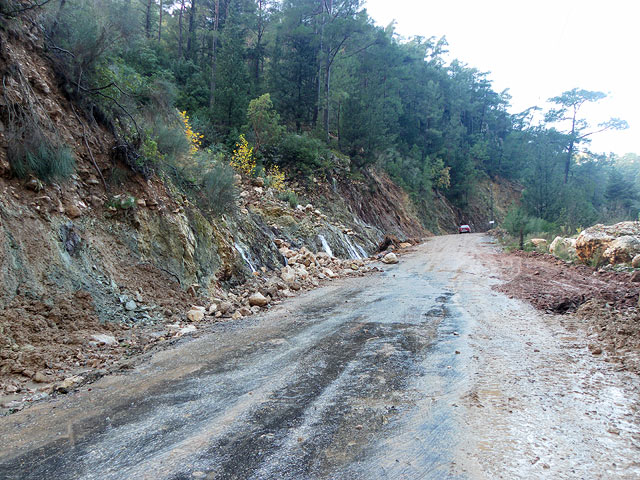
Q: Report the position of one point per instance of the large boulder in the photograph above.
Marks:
(622, 249)
(594, 241)
(563, 247)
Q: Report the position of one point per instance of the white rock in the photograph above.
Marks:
(106, 339)
(186, 330)
(390, 258)
(130, 306)
(195, 315)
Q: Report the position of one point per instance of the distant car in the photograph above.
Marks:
(464, 229)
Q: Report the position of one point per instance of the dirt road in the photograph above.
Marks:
(422, 372)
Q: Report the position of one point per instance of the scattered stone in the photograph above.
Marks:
(195, 315)
(390, 258)
(245, 312)
(213, 309)
(186, 330)
(73, 211)
(635, 263)
(105, 339)
(635, 277)
(236, 315)
(130, 306)
(35, 185)
(69, 383)
(224, 307)
(40, 377)
(13, 405)
(405, 245)
(257, 299)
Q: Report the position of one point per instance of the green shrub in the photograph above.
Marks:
(219, 188)
(291, 197)
(37, 156)
(302, 152)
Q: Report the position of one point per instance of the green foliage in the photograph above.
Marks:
(264, 122)
(219, 188)
(303, 153)
(37, 156)
(517, 223)
(289, 196)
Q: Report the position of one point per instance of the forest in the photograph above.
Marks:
(301, 86)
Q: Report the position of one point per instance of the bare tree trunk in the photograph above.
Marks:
(316, 112)
(214, 54)
(54, 27)
(567, 162)
(327, 77)
(192, 26)
(160, 23)
(147, 24)
(180, 39)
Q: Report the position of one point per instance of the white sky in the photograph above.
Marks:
(539, 49)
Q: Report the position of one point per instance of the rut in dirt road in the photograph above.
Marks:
(410, 374)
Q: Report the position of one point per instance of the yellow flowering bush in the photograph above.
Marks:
(242, 157)
(194, 138)
(276, 178)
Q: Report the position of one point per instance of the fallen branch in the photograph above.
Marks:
(86, 143)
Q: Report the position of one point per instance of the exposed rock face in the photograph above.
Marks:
(563, 247)
(597, 240)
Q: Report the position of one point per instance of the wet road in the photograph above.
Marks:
(422, 372)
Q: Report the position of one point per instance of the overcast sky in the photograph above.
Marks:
(539, 49)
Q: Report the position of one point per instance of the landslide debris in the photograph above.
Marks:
(602, 303)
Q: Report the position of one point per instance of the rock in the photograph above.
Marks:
(635, 277)
(130, 306)
(295, 286)
(35, 185)
(195, 315)
(593, 241)
(40, 377)
(72, 211)
(69, 383)
(106, 339)
(212, 308)
(236, 315)
(258, 190)
(257, 299)
(539, 242)
(186, 330)
(635, 263)
(308, 208)
(245, 312)
(563, 247)
(257, 182)
(141, 203)
(329, 273)
(13, 405)
(622, 249)
(405, 245)
(224, 307)
(390, 258)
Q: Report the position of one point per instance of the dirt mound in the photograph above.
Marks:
(555, 286)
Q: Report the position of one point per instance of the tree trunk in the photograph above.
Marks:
(54, 27)
(214, 54)
(160, 23)
(192, 27)
(180, 40)
(327, 78)
(567, 163)
(521, 239)
(147, 23)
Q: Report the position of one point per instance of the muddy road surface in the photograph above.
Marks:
(421, 372)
